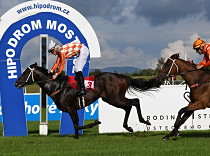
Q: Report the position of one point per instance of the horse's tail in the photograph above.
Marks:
(142, 84)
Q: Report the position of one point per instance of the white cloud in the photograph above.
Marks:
(184, 48)
(132, 41)
(130, 56)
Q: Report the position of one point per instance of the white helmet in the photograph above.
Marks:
(51, 45)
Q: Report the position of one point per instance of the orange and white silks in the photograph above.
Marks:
(66, 51)
(206, 58)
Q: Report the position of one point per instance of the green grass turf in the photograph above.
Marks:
(91, 143)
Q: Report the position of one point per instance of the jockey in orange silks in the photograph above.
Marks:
(202, 48)
(67, 51)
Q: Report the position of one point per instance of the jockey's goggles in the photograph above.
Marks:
(197, 49)
(51, 50)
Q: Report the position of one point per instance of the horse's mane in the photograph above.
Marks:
(176, 56)
(193, 65)
(189, 63)
(45, 72)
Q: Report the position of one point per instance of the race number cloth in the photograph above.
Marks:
(89, 82)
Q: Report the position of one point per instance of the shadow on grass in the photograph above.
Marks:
(142, 134)
(191, 134)
(49, 131)
(196, 133)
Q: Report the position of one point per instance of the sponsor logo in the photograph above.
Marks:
(26, 28)
(32, 109)
(43, 6)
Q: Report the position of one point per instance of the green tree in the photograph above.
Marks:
(96, 72)
(147, 72)
(161, 62)
(136, 73)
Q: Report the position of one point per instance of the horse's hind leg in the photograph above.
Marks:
(124, 104)
(136, 103)
(89, 125)
(125, 123)
(75, 119)
(129, 103)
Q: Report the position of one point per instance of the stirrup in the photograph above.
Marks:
(81, 102)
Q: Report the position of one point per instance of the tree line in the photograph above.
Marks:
(143, 72)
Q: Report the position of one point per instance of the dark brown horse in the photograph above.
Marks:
(109, 86)
(199, 82)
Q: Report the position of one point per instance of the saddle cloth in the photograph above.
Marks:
(89, 82)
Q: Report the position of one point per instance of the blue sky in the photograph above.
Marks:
(138, 32)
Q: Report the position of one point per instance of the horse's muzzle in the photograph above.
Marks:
(20, 85)
(159, 81)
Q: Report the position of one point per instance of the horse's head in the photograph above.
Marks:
(169, 68)
(29, 76)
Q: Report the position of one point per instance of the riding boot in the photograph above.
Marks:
(80, 84)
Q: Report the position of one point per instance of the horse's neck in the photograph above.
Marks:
(188, 74)
(44, 82)
(50, 86)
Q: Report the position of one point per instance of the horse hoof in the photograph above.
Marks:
(97, 122)
(148, 123)
(165, 138)
(129, 129)
(176, 133)
(76, 137)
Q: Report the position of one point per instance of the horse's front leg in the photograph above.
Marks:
(179, 121)
(175, 131)
(75, 119)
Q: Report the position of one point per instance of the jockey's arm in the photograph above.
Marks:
(207, 63)
(206, 60)
(55, 66)
(62, 63)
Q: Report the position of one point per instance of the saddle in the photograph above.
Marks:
(88, 81)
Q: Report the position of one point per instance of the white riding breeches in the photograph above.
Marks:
(81, 59)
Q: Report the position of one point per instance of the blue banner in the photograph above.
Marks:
(32, 109)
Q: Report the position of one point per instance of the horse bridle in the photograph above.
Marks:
(31, 73)
(173, 63)
(177, 68)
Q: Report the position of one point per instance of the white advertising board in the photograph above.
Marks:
(159, 107)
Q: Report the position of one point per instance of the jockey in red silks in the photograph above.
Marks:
(202, 48)
(66, 51)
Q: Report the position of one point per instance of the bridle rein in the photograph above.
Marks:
(81, 101)
(31, 74)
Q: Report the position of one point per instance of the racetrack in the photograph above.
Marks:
(92, 143)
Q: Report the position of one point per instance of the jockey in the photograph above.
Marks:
(66, 51)
(202, 48)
